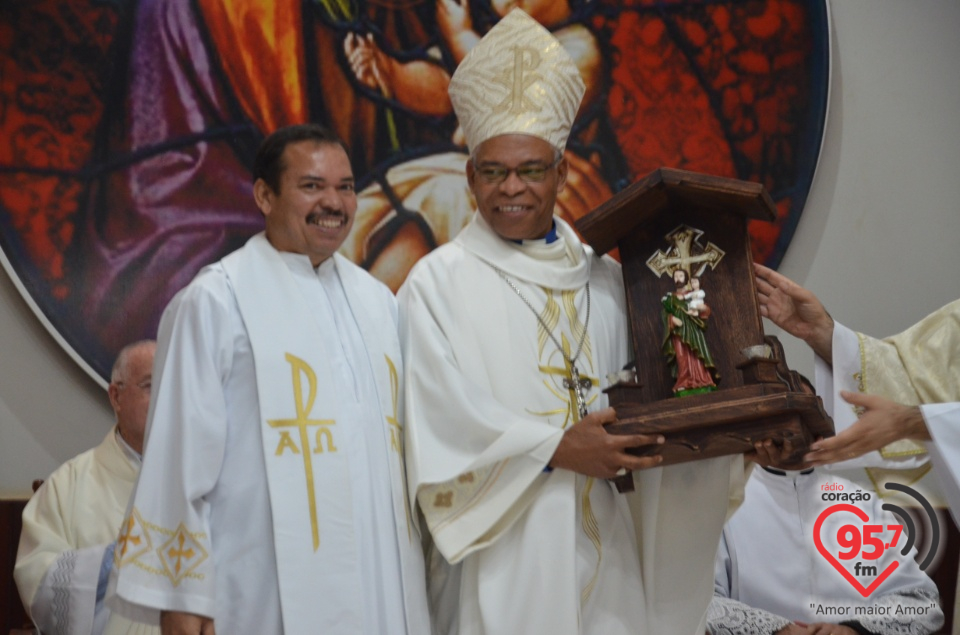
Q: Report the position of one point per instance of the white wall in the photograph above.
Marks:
(878, 241)
(50, 410)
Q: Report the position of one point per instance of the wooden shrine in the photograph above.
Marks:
(675, 219)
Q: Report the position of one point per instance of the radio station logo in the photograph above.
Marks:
(862, 549)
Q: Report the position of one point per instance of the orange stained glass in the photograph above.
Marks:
(260, 43)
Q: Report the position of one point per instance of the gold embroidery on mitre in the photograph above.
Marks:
(443, 499)
(517, 80)
(181, 555)
(465, 478)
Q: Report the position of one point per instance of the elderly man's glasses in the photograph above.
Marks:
(528, 172)
(144, 385)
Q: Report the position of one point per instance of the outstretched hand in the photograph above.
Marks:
(587, 448)
(794, 309)
(882, 422)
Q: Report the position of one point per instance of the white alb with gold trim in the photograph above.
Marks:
(536, 552)
(272, 497)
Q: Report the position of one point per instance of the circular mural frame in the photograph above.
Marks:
(124, 171)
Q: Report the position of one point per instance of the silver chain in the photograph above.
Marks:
(586, 323)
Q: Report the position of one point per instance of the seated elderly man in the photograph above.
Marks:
(71, 523)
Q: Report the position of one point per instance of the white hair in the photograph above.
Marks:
(119, 370)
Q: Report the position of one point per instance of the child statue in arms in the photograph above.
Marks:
(684, 346)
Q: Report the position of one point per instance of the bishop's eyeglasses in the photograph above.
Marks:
(528, 172)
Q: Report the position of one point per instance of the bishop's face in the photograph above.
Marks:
(313, 211)
(515, 179)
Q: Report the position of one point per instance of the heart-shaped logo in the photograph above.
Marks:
(862, 515)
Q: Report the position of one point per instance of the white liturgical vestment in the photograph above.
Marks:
(535, 551)
(272, 497)
(769, 572)
(920, 366)
(67, 526)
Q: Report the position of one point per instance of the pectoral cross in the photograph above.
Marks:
(576, 385)
(572, 381)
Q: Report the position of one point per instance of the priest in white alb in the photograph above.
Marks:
(885, 395)
(70, 524)
(272, 499)
(507, 331)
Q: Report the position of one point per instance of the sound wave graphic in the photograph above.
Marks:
(908, 522)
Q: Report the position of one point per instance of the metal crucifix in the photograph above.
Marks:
(576, 384)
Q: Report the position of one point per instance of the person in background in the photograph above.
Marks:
(67, 545)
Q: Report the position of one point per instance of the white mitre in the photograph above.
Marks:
(517, 80)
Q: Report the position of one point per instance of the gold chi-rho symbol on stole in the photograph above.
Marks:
(301, 369)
